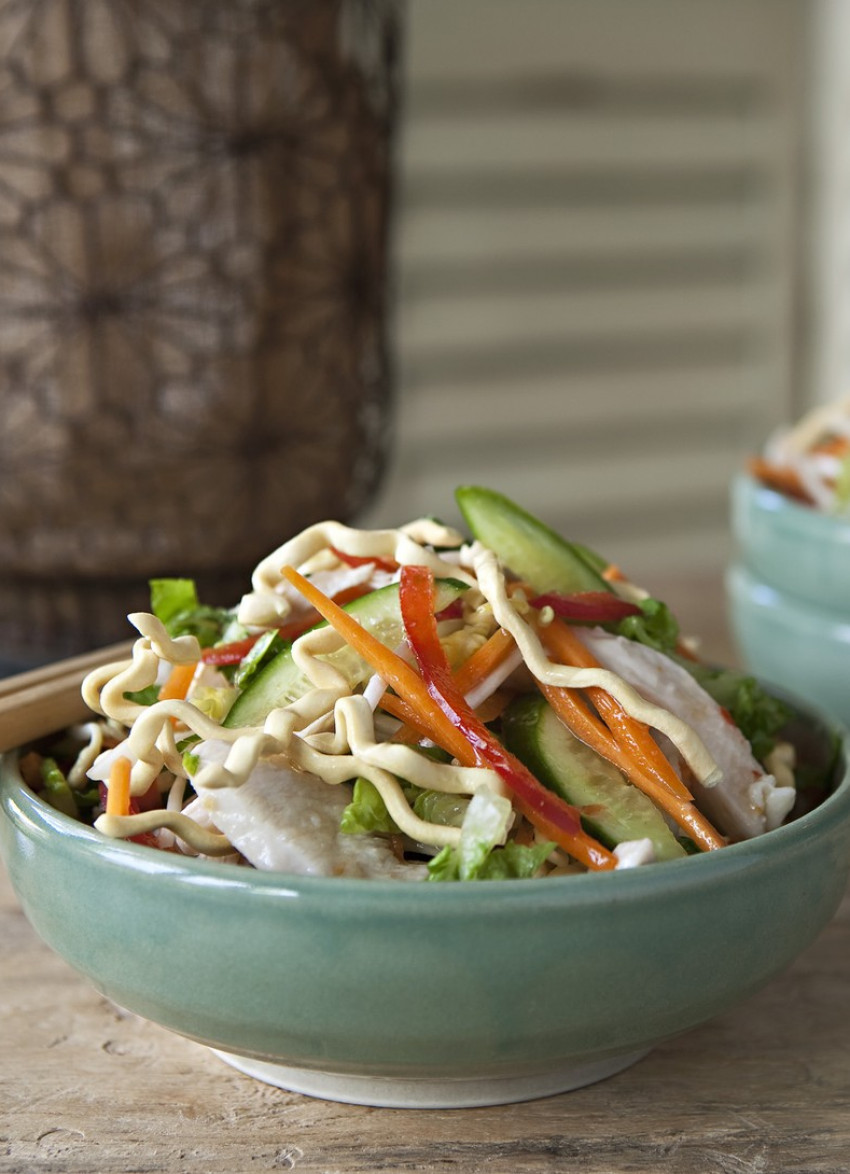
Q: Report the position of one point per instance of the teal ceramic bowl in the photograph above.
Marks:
(788, 595)
(795, 549)
(790, 642)
(424, 995)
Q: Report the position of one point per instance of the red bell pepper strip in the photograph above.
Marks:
(554, 818)
(231, 653)
(359, 560)
(237, 650)
(545, 809)
(589, 607)
(452, 611)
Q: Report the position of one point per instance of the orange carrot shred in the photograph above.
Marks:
(441, 729)
(624, 741)
(484, 660)
(630, 733)
(118, 790)
(179, 680)
(779, 477)
(395, 671)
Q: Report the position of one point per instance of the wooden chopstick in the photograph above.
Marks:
(82, 663)
(44, 700)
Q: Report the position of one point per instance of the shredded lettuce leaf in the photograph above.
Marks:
(656, 626)
(148, 696)
(215, 702)
(367, 812)
(757, 714)
(842, 487)
(485, 826)
(439, 807)
(511, 862)
(171, 597)
(57, 791)
(265, 649)
(175, 603)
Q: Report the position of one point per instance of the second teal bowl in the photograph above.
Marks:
(791, 643)
(794, 548)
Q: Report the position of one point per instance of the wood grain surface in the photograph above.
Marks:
(86, 1088)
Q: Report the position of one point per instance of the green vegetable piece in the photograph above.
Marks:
(367, 812)
(56, 791)
(656, 626)
(441, 807)
(842, 486)
(175, 603)
(612, 809)
(262, 652)
(528, 547)
(511, 862)
(516, 861)
(147, 696)
(445, 866)
(758, 715)
(171, 597)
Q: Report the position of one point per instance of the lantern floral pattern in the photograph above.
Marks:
(194, 201)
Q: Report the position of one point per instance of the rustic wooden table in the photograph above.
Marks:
(86, 1088)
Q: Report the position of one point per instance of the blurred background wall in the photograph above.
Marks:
(621, 258)
(610, 254)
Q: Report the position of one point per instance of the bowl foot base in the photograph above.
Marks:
(391, 1092)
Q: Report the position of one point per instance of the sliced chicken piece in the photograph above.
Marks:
(747, 800)
(284, 820)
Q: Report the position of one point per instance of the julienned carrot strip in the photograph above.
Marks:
(493, 707)
(559, 639)
(118, 791)
(780, 478)
(405, 713)
(484, 660)
(588, 728)
(613, 574)
(585, 726)
(296, 628)
(545, 806)
(836, 446)
(592, 731)
(584, 723)
(179, 680)
(396, 672)
(413, 731)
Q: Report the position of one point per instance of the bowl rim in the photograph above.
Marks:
(35, 818)
(816, 618)
(818, 523)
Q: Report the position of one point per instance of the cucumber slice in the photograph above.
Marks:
(281, 681)
(614, 809)
(527, 546)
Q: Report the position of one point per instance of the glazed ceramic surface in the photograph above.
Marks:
(789, 595)
(792, 547)
(424, 995)
(790, 642)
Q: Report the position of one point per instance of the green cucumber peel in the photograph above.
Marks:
(527, 546)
